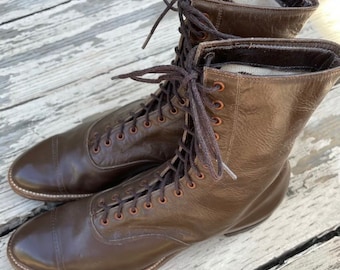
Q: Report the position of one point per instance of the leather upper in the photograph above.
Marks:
(260, 119)
(65, 165)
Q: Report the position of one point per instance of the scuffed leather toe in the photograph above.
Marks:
(35, 170)
(33, 248)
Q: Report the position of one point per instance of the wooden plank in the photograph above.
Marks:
(4, 263)
(322, 257)
(55, 71)
(82, 39)
(12, 10)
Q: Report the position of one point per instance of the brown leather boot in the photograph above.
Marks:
(100, 154)
(248, 101)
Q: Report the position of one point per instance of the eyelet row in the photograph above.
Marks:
(148, 205)
(133, 130)
(219, 105)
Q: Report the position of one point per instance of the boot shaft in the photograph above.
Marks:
(261, 114)
(206, 20)
(269, 18)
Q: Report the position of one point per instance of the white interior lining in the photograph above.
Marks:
(262, 3)
(258, 71)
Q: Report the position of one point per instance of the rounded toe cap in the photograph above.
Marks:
(31, 246)
(35, 171)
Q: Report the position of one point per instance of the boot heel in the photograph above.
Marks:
(264, 205)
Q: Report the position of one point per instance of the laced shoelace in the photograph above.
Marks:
(199, 139)
(193, 24)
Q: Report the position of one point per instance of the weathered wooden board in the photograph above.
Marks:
(4, 264)
(82, 39)
(323, 257)
(12, 10)
(55, 69)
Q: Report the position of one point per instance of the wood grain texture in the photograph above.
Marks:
(55, 70)
(322, 257)
(13, 10)
(4, 263)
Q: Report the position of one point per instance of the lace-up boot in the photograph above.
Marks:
(247, 102)
(118, 144)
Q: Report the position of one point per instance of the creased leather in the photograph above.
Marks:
(261, 118)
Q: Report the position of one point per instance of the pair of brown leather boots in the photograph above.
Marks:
(205, 155)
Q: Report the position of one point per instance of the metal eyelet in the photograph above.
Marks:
(174, 110)
(218, 105)
(220, 85)
(104, 222)
(182, 102)
(200, 176)
(216, 121)
(178, 193)
(133, 211)
(203, 37)
(129, 191)
(119, 216)
(143, 183)
(161, 119)
(206, 15)
(108, 143)
(96, 150)
(147, 124)
(163, 200)
(133, 130)
(191, 185)
(120, 136)
(148, 205)
(217, 137)
(101, 203)
(115, 197)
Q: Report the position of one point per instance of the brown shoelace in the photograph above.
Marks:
(198, 140)
(193, 25)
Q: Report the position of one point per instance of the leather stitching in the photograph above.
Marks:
(12, 259)
(58, 257)
(219, 17)
(235, 120)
